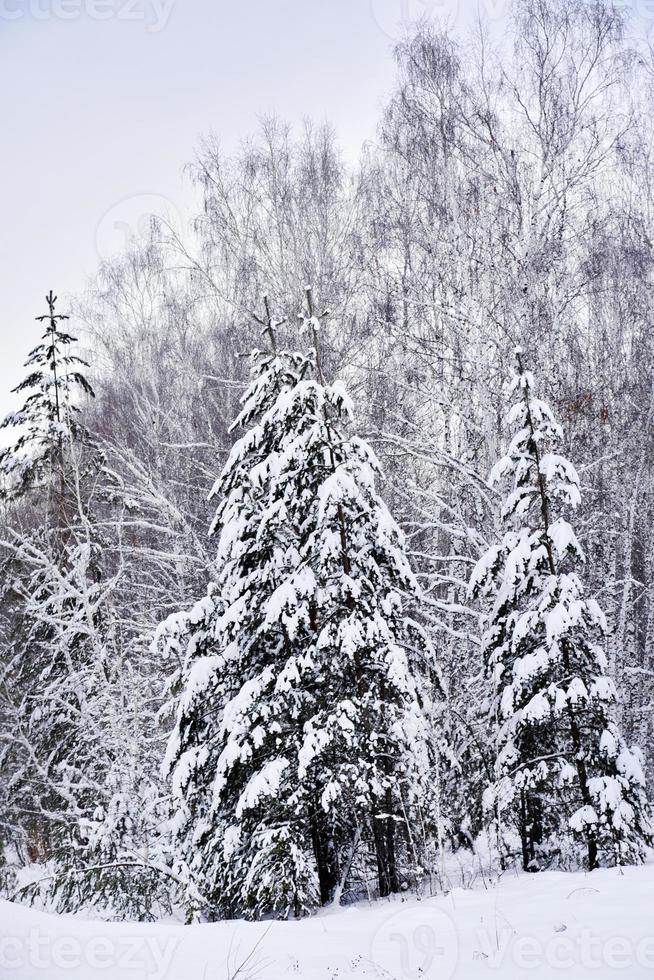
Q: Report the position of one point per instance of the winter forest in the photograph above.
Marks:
(327, 526)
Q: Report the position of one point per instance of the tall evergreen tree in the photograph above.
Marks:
(301, 743)
(59, 679)
(49, 416)
(563, 768)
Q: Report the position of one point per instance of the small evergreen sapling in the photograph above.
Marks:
(49, 416)
(563, 768)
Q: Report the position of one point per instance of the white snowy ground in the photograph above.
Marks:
(547, 925)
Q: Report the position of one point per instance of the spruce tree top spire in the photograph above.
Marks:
(49, 414)
(53, 319)
(269, 324)
(312, 324)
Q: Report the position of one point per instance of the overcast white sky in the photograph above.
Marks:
(104, 101)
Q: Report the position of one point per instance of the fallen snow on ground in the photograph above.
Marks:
(598, 925)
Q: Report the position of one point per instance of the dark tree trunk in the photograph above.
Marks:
(531, 830)
(384, 837)
(325, 856)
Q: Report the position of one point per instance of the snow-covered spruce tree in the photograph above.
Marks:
(301, 742)
(563, 769)
(49, 416)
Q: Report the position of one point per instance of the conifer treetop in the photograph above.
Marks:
(49, 416)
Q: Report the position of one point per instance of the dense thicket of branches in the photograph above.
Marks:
(507, 201)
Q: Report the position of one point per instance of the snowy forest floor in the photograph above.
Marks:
(552, 924)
